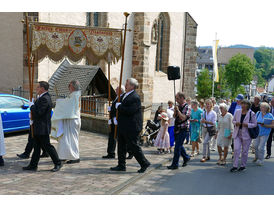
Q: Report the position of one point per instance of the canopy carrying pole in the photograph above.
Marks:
(122, 66)
(109, 60)
(29, 68)
(33, 64)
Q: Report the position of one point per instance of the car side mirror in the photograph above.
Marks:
(25, 106)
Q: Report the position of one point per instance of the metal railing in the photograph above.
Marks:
(95, 105)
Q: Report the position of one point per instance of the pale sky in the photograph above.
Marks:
(249, 22)
(245, 27)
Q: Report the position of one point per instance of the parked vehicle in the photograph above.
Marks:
(14, 112)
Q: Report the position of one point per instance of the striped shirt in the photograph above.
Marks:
(180, 124)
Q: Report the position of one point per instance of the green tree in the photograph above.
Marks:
(259, 76)
(239, 70)
(204, 84)
(265, 62)
(241, 90)
(221, 90)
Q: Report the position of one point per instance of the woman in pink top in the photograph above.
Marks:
(242, 140)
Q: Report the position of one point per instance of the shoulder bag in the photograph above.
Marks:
(211, 130)
(253, 132)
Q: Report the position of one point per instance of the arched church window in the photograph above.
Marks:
(163, 35)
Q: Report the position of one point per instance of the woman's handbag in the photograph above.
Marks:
(211, 130)
(253, 132)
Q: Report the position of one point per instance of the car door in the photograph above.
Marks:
(14, 117)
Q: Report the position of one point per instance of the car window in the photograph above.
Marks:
(10, 103)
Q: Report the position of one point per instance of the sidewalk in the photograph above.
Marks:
(92, 176)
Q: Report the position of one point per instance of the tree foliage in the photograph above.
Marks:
(204, 84)
(264, 67)
(264, 62)
(259, 77)
(239, 70)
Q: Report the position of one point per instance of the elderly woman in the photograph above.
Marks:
(209, 126)
(265, 122)
(195, 118)
(66, 124)
(225, 130)
(2, 143)
(243, 119)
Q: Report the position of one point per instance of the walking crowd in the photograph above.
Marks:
(239, 126)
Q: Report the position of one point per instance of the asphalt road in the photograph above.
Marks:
(208, 179)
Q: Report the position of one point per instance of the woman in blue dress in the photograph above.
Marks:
(195, 118)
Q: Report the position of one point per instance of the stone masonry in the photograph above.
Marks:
(190, 57)
(140, 63)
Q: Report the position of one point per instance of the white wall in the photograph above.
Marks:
(163, 89)
(117, 20)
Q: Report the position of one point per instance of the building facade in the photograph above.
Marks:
(156, 40)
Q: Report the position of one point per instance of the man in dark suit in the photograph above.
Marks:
(130, 124)
(111, 140)
(41, 116)
(29, 147)
(236, 105)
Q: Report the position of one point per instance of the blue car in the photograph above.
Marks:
(14, 112)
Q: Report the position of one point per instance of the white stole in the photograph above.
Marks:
(68, 108)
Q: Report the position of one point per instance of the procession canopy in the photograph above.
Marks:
(57, 41)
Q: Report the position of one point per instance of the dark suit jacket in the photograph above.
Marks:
(113, 109)
(232, 108)
(41, 115)
(130, 115)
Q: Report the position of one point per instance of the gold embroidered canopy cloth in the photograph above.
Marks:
(57, 41)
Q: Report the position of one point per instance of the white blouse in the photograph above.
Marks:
(210, 117)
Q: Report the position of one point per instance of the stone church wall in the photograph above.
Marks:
(11, 51)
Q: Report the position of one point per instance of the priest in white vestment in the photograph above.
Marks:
(2, 143)
(66, 124)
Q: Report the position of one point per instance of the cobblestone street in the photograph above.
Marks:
(90, 176)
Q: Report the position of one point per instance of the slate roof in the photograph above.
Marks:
(204, 56)
(224, 54)
(85, 74)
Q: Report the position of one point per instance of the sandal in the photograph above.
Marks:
(203, 160)
(219, 162)
(223, 162)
